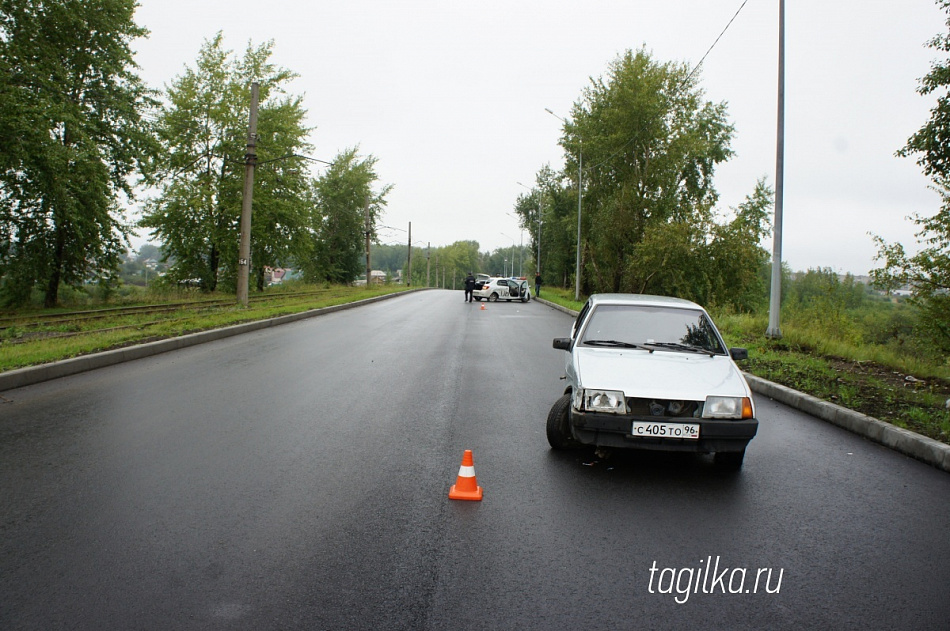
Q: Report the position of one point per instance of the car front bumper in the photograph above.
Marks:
(613, 430)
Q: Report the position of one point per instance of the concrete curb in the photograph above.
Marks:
(909, 443)
(897, 438)
(36, 374)
(904, 441)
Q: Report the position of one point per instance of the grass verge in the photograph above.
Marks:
(901, 390)
(31, 342)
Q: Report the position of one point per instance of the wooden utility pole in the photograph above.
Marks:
(428, 245)
(250, 160)
(369, 267)
(409, 261)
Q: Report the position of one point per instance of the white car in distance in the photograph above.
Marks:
(504, 289)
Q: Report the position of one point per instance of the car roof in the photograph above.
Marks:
(642, 300)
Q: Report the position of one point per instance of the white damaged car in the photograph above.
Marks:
(652, 372)
(507, 289)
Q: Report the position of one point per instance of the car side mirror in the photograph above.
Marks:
(562, 343)
(738, 354)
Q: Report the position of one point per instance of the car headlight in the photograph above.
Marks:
(727, 407)
(609, 401)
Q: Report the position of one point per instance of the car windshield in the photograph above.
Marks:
(665, 328)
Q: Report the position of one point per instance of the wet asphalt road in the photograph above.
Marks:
(297, 478)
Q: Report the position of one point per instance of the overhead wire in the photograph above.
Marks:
(700, 63)
(685, 82)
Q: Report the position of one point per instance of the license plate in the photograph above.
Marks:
(650, 429)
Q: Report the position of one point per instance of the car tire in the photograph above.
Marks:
(559, 424)
(729, 460)
(493, 298)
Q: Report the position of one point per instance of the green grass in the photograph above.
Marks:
(869, 378)
(905, 390)
(865, 377)
(24, 346)
(563, 297)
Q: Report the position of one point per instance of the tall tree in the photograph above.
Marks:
(203, 127)
(556, 201)
(341, 196)
(931, 143)
(74, 132)
(734, 259)
(928, 271)
(650, 144)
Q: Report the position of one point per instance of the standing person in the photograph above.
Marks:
(469, 287)
(537, 284)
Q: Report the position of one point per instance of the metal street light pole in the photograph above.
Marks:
(538, 259)
(521, 254)
(537, 262)
(520, 248)
(775, 298)
(512, 252)
(580, 197)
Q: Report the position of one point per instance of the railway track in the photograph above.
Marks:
(18, 329)
(75, 318)
(35, 338)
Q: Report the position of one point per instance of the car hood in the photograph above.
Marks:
(659, 375)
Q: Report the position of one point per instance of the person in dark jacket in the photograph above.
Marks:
(469, 287)
(537, 284)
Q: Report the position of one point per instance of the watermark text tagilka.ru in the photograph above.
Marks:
(711, 577)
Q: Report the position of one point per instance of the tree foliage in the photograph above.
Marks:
(341, 198)
(556, 203)
(649, 143)
(927, 273)
(72, 121)
(931, 143)
(203, 128)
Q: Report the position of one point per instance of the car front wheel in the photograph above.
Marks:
(558, 428)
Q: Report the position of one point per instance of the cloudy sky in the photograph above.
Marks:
(450, 97)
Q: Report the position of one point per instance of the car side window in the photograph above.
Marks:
(580, 320)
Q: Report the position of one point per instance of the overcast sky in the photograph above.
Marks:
(450, 97)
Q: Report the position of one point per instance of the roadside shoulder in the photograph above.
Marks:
(36, 374)
(909, 443)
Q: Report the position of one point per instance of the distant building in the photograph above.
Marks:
(377, 277)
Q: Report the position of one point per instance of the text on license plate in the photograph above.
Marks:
(650, 429)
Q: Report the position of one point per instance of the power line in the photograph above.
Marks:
(685, 81)
(390, 227)
(696, 67)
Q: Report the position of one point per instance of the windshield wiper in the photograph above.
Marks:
(617, 344)
(683, 347)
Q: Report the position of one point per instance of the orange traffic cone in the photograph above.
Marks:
(466, 486)
(483, 307)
